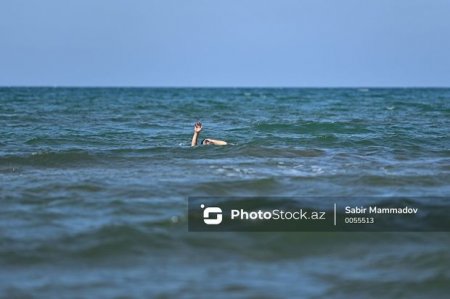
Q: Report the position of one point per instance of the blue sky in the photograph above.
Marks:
(225, 43)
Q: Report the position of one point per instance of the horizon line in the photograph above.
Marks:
(223, 87)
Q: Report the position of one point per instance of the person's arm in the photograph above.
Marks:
(197, 130)
(217, 142)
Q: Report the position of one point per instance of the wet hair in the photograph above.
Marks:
(203, 141)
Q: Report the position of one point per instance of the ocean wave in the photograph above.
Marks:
(51, 159)
(315, 127)
(122, 239)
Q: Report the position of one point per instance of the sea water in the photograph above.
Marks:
(94, 185)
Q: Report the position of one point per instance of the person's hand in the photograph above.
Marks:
(198, 127)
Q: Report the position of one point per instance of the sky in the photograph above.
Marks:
(214, 43)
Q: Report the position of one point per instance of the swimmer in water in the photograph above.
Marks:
(208, 141)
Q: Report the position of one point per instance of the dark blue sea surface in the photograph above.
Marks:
(94, 185)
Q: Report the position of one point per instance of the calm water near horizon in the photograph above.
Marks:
(94, 184)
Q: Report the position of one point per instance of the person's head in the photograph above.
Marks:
(206, 142)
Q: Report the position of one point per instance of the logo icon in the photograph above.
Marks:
(215, 211)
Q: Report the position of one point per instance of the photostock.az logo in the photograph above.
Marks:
(214, 211)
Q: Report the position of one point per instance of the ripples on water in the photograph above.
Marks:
(94, 185)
